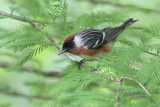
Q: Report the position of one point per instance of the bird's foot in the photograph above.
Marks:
(80, 63)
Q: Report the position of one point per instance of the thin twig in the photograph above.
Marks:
(18, 17)
(126, 90)
(51, 40)
(152, 53)
(23, 95)
(113, 79)
(116, 104)
(118, 80)
(137, 83)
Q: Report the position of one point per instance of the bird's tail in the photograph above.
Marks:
(129, 22)
(112, 33)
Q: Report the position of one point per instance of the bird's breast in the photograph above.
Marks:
(91, 53)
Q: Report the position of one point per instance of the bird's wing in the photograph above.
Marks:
(112, 33)
(93, 39)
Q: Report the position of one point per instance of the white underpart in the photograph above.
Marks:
(78, 41)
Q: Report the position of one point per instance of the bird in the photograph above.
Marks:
(93, 43)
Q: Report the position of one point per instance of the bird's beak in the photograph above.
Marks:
(62, 51)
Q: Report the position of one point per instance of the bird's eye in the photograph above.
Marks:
(65, 45)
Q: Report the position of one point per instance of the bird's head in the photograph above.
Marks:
(68, 44)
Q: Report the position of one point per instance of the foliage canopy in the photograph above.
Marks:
(83, 88)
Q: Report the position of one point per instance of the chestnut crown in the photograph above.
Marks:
(68, 44)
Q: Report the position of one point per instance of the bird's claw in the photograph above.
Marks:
(80, 63)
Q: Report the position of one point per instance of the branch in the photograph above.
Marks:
(51, 40)
(27, 69)
(18, 18)
(23, 95)
(126, 90)
(119, 80)
(120, 83)
(113, 79)
(138, 84)
(152, 53)
(37, 27)
(116, 104)
(124, 6)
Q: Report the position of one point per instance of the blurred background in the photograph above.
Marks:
(30, 86)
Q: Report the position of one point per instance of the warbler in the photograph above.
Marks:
(93, 43)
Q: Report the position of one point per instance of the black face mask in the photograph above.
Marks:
(67, 46)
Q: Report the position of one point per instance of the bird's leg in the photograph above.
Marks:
(80, 63)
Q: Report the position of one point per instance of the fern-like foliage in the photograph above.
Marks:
(128, 59)
(83, 88)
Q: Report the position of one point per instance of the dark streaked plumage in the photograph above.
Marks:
(92, 43)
